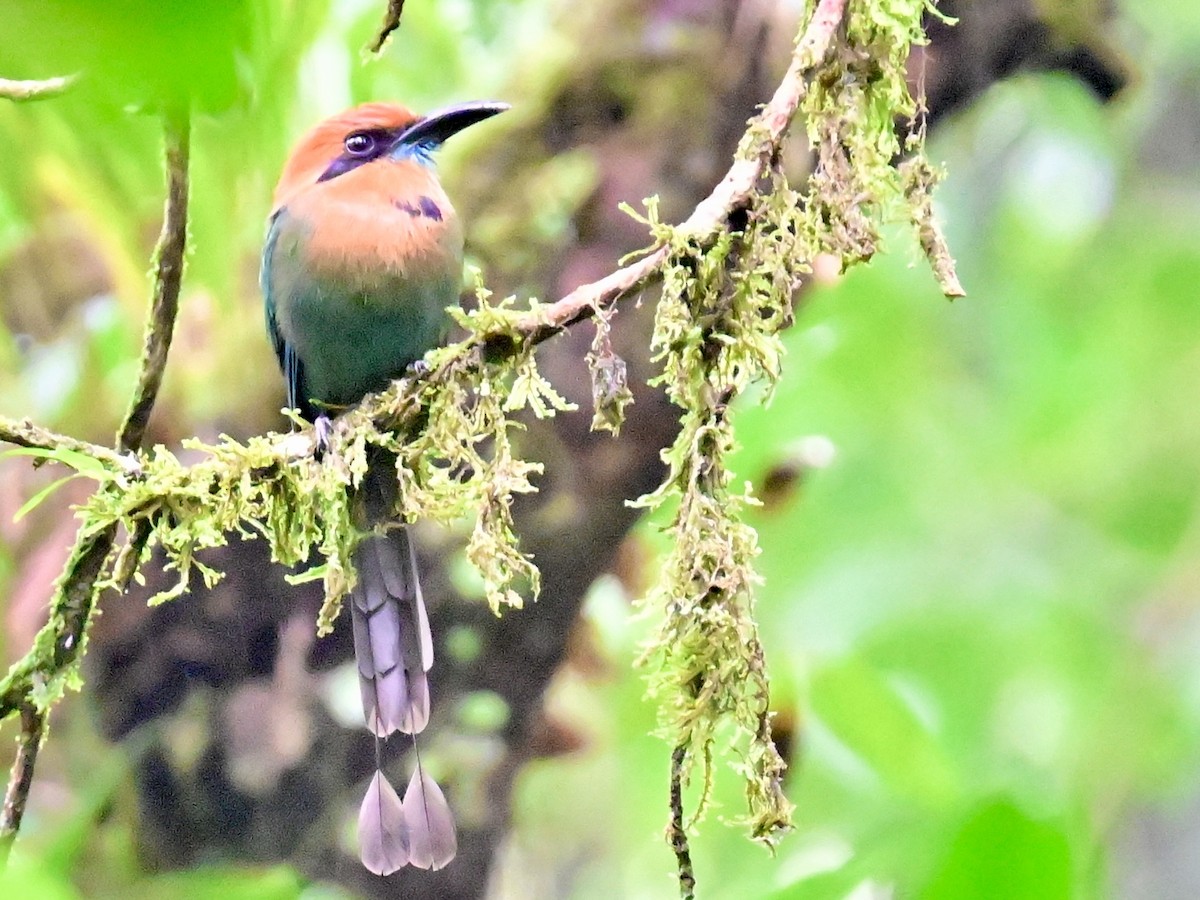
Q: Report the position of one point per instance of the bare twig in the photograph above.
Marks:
(75, 599)
(33, 729)
(22, 91)
(677, 830)
(168, 263)
(391, 21)
(771, 125)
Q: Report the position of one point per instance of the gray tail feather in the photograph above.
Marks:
(392, 642)
(393, 647)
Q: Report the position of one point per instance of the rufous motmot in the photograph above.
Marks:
(363, 255)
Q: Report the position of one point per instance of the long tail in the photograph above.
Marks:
(394, 650)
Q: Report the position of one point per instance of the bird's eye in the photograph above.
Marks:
(360, 143)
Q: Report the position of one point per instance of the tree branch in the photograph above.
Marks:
(168, 258)
(677, 828)
(33, 729)
(58, 645)
(74, 601)
(391, 21)
(712, 213)
(72, 606)
(25, 434)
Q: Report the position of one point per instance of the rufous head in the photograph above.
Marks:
(373, 133)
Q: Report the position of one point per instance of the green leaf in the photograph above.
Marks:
(1000, 852)
(41, 495)
(28, 878)
(227, 883)
(316, 573)
(867, 714)
(80, 462)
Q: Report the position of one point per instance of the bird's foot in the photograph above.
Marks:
(322, 432)
(417, 369)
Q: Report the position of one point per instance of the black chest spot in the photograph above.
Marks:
(424, 208)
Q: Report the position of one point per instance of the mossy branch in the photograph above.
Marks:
(36, 681)
(24, 433)
(728, 285)
(762, 141)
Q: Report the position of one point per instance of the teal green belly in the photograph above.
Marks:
(350, 343)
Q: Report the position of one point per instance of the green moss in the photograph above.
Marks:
(724, 302)
(451, 433)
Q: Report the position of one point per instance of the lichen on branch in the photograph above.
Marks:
(717, 333)
(727, 294)
(449, 425)
(449, 428)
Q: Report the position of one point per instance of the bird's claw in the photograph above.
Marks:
(322, 432)
(418, 368)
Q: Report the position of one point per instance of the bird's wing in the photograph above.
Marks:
(289, 361)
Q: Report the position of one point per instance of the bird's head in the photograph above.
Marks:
(370, 134)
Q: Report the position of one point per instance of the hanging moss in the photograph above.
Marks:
(724, 303)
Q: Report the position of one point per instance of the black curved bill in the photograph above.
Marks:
(437, 127)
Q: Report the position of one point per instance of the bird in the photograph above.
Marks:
(362, 259)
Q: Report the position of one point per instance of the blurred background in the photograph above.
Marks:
(980, 532)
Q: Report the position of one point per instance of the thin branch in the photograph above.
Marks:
(168, 262)
(920, 177)
(69, 614)
(75, 599)
(677, 830)
(713, 212)
(23, 91)
(25, 434)
(588, 299)
(391, 21)
(33, 729)
(771, 125)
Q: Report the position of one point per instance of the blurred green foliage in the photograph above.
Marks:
(980, 613)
